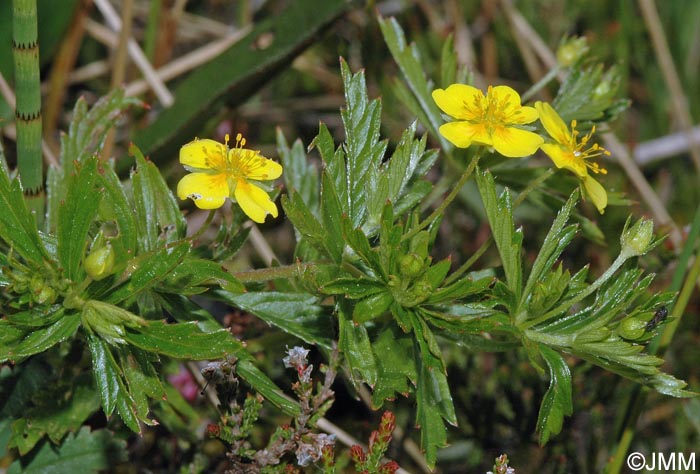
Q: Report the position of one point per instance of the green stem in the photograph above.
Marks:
(471, 261)
(588, 291)
(532, 186)
(450, 197)
(25, 48)
(266, 274)
(540, 84)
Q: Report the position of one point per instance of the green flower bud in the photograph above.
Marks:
(637, 239)
(411, 265)
(632, 328)
(36, 284)
(45, 295)
(571, 50)
(100, 262)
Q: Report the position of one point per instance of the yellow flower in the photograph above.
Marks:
(492, 119)
(574, 155)
(219, 172)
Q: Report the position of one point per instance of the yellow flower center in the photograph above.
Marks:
(242, 162)
(582, 153)
(492, 110)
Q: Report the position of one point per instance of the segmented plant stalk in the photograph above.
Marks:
(25, 48)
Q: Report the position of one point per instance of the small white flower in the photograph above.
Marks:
(296, 357)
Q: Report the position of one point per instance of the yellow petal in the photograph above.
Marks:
(254, 201)
(563, 157)
(596, 192)
(514, 142)
(507, 98)
(462, 134)
(208, 191)
(553, 123)
(523, 115)
(203, 154)
(254, 165)
(460, 101)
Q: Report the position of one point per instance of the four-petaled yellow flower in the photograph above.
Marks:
(570, 153)
(492, 119)
(219, 172)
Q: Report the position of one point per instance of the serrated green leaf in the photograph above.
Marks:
(363, 150)
(461, 288)
(17, 226)
(141, 379)
(108, 374)
(434, 402)
(299, 173)
(354, 344)
(88, 452)
(557, 402)
(83, 141)
(399, 180)
(297, 314)
(184, 341)
(266, 387)
(88, 129)
(59, 412)
(413, 71)
(306, 225)
(115, 206)
(157, 212)
(358, 241)
(75, 215)
(36, 317)
(146, 271)
(19, 386)
(331, 216)
(35, 341)
(183, 309)
(508, 240)
(372, 307)
(353, 288)
(195, 275)
(578, 97)
(396, 367)
(554, 244)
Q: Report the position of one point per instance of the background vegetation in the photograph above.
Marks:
(270, 70)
